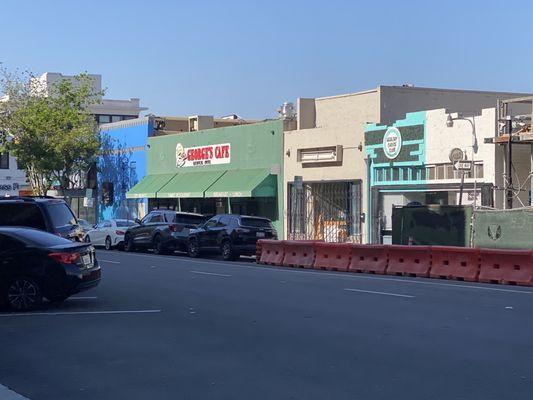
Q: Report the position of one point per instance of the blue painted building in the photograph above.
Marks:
(121, 165)
(396, 171)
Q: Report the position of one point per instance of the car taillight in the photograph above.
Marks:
(242, 230)
(65, 258)
(119, 232)
(173, 228)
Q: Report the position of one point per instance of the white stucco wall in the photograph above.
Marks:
(10, 176)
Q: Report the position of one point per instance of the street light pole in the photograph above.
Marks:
(449, 124)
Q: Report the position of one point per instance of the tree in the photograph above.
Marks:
(50, 131)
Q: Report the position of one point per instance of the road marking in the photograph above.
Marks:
(83, 298)
(27, 314)
(110, 261)
(208, 273)
(254, 266)
(382, 293)
(8, 394)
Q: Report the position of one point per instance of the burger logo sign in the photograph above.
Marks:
(203, 155)
(392, 143)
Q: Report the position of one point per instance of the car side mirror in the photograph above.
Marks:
(138, 221)
(94, 226)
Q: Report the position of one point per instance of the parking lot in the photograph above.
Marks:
(167, 327)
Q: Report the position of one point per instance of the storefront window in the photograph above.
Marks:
(257, 207)
(479, 170)
(430, 173)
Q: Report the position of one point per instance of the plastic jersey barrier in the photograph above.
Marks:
(506, 266)
(449, 262)
(271, 251)
(332, 256)
(368, 258)
(409, 260)
(299, 253)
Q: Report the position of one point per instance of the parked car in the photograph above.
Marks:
(36, 264)
(45, 213)
(109, 233)
(163, 231)
(230, 235)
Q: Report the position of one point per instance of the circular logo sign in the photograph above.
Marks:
(392, 143)
(456, 154)
(180, 155)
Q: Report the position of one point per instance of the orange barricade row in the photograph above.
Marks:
(409, 260)
(450, 262)
(332, 256)
(369, 258)
(271, 252)
(506, 266)
(299, 253)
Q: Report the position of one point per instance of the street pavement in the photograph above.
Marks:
(168, 327)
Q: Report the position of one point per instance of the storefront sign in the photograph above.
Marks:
(203, 155)
(392, 143)
(9, 187)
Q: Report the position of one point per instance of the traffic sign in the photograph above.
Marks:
(456, 154)
(462, 165)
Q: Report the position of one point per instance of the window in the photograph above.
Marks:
(45, 239)
(124, 224)
(440, 171)
(107, 224)
(116, 118)
(449, 171)
(4, 160)
(430, 173)
(104, 119)
(61, 215)
(157, 218)
(22, 214)
(479, 170)
(147, 218)
(256, 222)
(189, 219)
(211, 223)
(107, 193)
(224, 221)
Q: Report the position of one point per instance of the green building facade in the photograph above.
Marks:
(234, 169)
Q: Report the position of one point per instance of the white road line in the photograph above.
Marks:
(467, 285)
(27, 314)
(83, 298)
(109, 261)
(7, 394)
(208, 273)
(382, 293)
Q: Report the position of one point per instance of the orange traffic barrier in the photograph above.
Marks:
(409, 260)
(449, 262)
(271, 252)
(332, 256)
(258, 246)
(368, 258)
(299, 253)
(506, 266)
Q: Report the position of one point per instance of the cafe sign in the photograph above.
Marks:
(203, 155)
(392, 143)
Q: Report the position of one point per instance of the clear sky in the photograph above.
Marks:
(247, 57)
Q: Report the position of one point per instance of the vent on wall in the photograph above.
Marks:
(332, 154)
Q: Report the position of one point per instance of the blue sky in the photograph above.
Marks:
(247, 57)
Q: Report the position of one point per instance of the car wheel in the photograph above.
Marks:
(23, 294)
(58, 298)
(128, 244)
(227, 251)
(193, 249)
(108, 244)
(87, 239)
(158, 246)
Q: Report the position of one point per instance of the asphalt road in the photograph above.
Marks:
(167, 327)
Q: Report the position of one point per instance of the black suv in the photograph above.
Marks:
(231, 235)
(162, 230)
(45, 213)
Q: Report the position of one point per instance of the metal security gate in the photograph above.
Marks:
(329, 211)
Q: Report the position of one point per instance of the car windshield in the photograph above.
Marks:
(256, 222)
(84, 223)
(124, 224)
(41, 238)
(61, 215)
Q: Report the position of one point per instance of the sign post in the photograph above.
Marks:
(462, 166)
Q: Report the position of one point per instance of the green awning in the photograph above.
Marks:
(244, 183)
(189, 184)
(148, 186)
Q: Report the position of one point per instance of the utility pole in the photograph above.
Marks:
(508, 162)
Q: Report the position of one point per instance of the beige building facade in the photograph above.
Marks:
(325, 165)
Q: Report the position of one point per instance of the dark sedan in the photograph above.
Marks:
(36, 264)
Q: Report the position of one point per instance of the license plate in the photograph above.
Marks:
(87, 260)
(260, 234)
